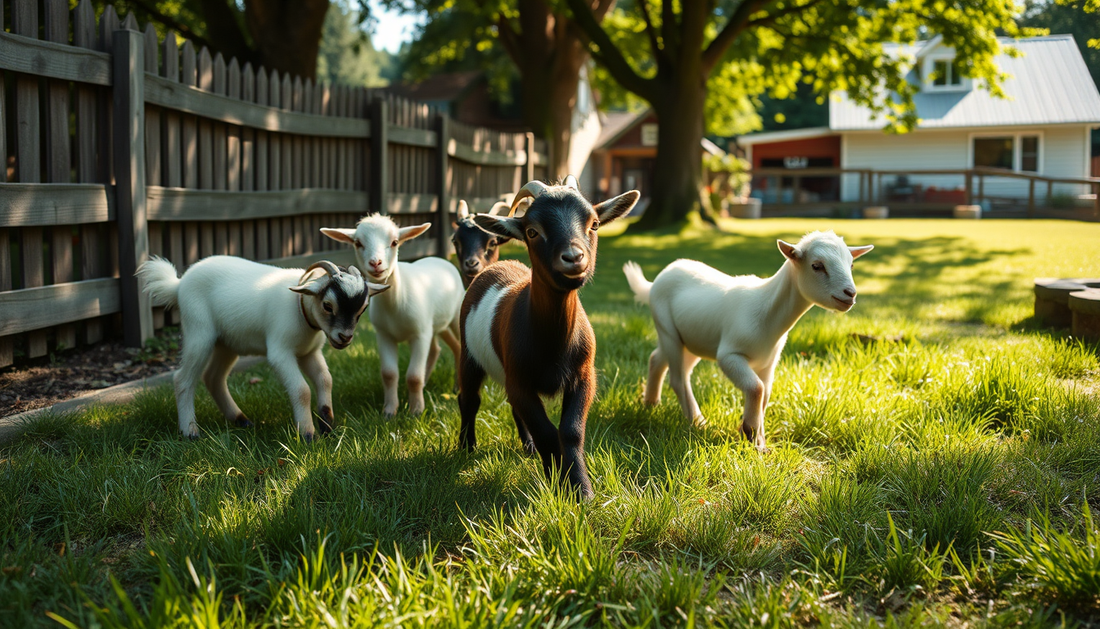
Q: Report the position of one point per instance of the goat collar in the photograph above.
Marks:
(302, 307)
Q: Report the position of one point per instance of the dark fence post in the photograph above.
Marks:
(443, 140)
(379, 158)
(129, 157)
(529, 166)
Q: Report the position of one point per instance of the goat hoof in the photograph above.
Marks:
(242, 421)
(699, 421)
(763, 449)
(190, 437)
(309, 437)
(529, 448)
(327, 421)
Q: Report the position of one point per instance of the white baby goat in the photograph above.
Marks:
(231, 306)
(741, 322)
(423, 303)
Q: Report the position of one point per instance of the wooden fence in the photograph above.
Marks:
(116, 145)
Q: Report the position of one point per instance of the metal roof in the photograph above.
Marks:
(1049, 84)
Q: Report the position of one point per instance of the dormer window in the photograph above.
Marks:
(945, 74)
(941, 76)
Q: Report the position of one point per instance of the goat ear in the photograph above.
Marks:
(406, 234)
(858, 251)
(346, 236)
(463, 210)
(790, 251)
(312, 288)
(499, 226)
(373, 289)
(616, 207)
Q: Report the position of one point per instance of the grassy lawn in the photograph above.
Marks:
(933, 458)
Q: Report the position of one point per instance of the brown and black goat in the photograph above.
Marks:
(526, 328)
(475, 248)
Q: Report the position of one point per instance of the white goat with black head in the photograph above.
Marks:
(421, 305)
(526, 329)
(741, 322)
(231, 307)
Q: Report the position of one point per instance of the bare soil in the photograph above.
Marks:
(74, 373)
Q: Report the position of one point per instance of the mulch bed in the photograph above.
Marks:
(73, 373)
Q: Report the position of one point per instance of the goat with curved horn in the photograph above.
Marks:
(531, 190)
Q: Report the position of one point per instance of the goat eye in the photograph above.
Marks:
(393, 244)
(532, 234)
(595, 225)
(328, 307)
(817, 266)
(358, 245)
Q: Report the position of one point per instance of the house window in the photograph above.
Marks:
(1029, 153)
(1011, 152)
(945, 75)
(993, 153)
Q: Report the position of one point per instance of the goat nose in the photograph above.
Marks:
(344, 338)
(851, 292)
(573, 256)
(472, 263)
(375, 263)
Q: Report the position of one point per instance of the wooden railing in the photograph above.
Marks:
(125, 146)
(878, 187)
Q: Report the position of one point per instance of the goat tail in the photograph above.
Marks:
(160, 280)
(638, 283)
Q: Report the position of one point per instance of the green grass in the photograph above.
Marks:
(939, 472)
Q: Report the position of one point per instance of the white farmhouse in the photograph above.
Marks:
(1043, 128)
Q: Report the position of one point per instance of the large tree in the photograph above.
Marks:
(545, 47)
(677, 54)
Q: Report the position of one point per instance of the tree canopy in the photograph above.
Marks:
(692, 61)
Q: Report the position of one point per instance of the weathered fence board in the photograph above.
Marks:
(124, 146)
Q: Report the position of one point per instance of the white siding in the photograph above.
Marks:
(1063, 155)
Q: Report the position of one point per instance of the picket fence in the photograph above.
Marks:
(116, 145)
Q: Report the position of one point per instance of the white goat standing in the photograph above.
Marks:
(423, 303)
(231, 306)
(741, 322)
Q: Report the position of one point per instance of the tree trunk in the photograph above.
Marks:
(549, 97)
(678, 171)
(287, 33)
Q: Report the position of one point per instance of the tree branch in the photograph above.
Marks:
(609, 55)
(508, 39)
(734, 27)
(772, 18)
(668, 28)
(643, 6)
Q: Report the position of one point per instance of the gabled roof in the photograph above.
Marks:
(1049, 84)
(615, 124)
(786, 135)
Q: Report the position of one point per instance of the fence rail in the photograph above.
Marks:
(823, 189)
(117, 143)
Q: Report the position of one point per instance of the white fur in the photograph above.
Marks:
(231, 307)
(479, 332)
(423, 302)
(741, 322)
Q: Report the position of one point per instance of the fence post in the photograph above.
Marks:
(529, 166)
(442, 181)
(1031, 198)
(379, 159)
(129, 157)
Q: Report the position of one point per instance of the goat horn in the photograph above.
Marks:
(498, 208)
(532, 190)
(463, 210)
(328, 267)
(571, 182)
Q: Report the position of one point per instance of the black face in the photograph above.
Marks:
(559, 230)
(342, 303)
(475, 249)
